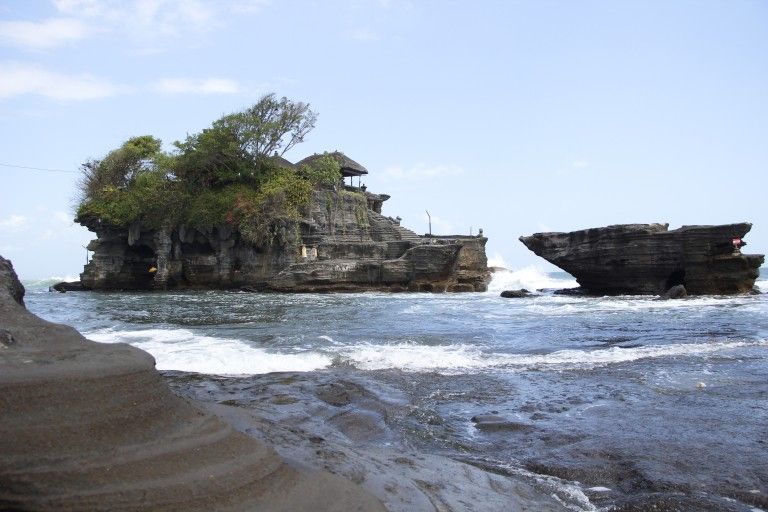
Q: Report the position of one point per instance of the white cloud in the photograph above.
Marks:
(363, 35)
(204, 86)
(420, 171)
(13, 222)
(151, 20)
(580, 164)
(19, 79)
(147, 25)
(63, 217)
(59, 224)
(44, 34)
(250, 6)
(88, 8)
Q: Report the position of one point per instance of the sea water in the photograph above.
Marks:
(630, 399)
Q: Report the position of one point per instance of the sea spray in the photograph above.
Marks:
(181, 349)
(44, 283)
(530, 278)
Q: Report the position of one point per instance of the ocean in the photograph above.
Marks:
(623, 403)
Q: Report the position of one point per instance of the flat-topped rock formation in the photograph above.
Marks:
(344, 244)
(87, 426)
(651, 259)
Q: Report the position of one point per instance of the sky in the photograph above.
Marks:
(511, 116)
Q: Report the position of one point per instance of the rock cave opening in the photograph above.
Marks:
(197, 248)
(139, 262)
(675, 278)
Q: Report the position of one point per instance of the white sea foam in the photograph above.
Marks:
(530, 278)
(763, 285)
(181, 349)
(49, 281)
(497, 260)
(568, 494)
(457, 358)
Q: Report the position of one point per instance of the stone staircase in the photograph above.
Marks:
(407, 234)
(386, 230)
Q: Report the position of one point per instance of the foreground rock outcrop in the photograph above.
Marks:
(346, 423)
(344, 244)
(87, 426)
(650, 259)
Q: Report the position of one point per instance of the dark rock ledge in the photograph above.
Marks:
(649, 259)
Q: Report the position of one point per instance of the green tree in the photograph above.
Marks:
(234, 149)
(120, 167)
(211, 158)
(271, 126)
(324, 171)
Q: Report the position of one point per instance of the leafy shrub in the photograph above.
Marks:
(324, 171)
(119, 167)
(221, 175)
(272, 218)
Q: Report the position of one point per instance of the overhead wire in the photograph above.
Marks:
(38, 168)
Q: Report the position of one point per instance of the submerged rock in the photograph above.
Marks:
(496, 423)
(650, 259)
(676, 292)
(64, 286)
(351, 425)
(515, 294)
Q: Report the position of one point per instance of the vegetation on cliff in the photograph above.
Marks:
(228, 173)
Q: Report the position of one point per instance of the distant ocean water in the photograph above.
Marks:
(625, 398)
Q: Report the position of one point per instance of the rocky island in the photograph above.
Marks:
(227, 211)
(651, 259)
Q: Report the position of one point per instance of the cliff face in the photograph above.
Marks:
(343, 244)
(650, 259)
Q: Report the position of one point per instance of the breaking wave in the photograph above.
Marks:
(457, 358)
(43, 284)
(530, 278)
(181, 349)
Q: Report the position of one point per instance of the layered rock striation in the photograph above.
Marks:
(651, 259)
(87, 426)
(344, 243)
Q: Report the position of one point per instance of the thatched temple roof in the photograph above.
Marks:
(282, 162)
(348, 166)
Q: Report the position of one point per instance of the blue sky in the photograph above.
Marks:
(516, 117)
